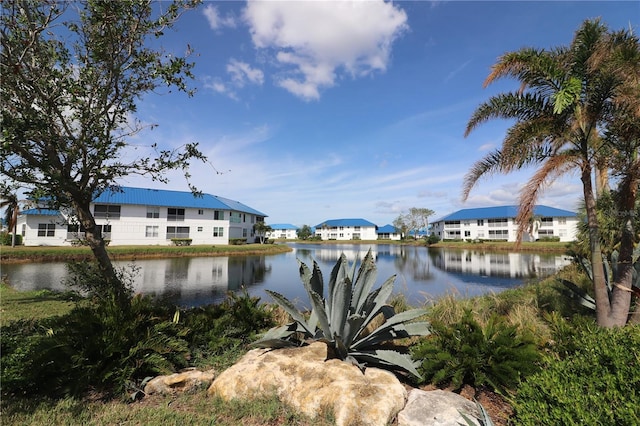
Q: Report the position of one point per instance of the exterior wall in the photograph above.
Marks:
(134, 228)
(28, 228)
(489, 229)
(392, 236)
(283, 234)
(346, 233)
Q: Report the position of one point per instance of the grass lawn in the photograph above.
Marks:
(53, 254)
(35, 304)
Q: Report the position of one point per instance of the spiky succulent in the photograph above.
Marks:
(342, 317)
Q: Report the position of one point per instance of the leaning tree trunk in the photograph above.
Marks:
(621, 293)
(93, 235)
(603, 305)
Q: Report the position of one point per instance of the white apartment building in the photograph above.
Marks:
(283, 231)
(498, 223)
(139, 216)
(346, 229)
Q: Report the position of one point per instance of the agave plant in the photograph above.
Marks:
(343, 317)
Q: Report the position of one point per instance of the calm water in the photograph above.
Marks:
(421, 273)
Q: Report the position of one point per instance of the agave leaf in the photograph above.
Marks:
(370, 303)
(337, 273)
(579, 295)
(379, 300)
(274, 337)
(341, 350)
(323, 321)
(317, 283)
(291, 310)
(364, 283)
(340, 305)
(395, 328)
(353, 324)
(389, 359)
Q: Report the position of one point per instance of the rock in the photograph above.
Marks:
(436, 408)
(184, 382)
(304, 380)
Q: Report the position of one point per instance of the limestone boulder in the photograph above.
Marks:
(303, 379)
(184, 382)
(436, 408)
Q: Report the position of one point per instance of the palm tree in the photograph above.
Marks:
(563, 99)
(12, 204)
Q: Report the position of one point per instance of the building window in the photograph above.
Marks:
(46, 230)
(467, 233)
(496, 223)
(244, 233)
(356, 228)
(562, 221)
(546, 221)
(151, 231)
(356, 236)
(244, 218)
(218, 215)
(24, 229)
(218, 231)
(153, 212)
(175, 215)
(177, 232)
(341, 234)
(235, 217)
(499, 234)
(106, 211)
(200, 211)
(545, 232)
(199, 228)
(480, 222)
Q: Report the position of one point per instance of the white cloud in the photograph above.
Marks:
(241, 72)
(486, 147)
(216, 21)
(315, 40)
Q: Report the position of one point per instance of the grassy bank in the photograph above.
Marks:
(54, 254)
(538, 246)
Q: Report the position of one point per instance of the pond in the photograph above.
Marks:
(421, 273)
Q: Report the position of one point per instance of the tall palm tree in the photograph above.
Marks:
(9, 200)
(562, 100)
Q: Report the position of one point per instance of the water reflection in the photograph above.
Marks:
(421, 273)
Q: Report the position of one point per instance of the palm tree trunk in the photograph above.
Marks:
(621, 293)
(94, 238)
(603, 305)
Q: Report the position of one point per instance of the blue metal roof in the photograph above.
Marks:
(387, 229)
(40, 212)
(283, 226)
(504, 211)
(167, 198)
(345, 222)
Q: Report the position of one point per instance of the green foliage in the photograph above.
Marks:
(181, 241)
(465, 353)
(6, 238)
(98, 346)
(344, 316)
(433, 239)
(237, 241)
(596, 382)
(304, 233)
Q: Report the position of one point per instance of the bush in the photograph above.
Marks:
(548, 239)
(237, 241)
(433, 239)
(181, 241)
(465, 353)
(98, 347)
(597, 382)
(5, 239)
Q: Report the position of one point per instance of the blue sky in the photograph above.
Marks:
(319, 110)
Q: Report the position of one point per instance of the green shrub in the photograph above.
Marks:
(5, 239)
(181, 241)
(596, 383)
(433, 239)
(237, 241)
(464, 353)
(97, 347)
